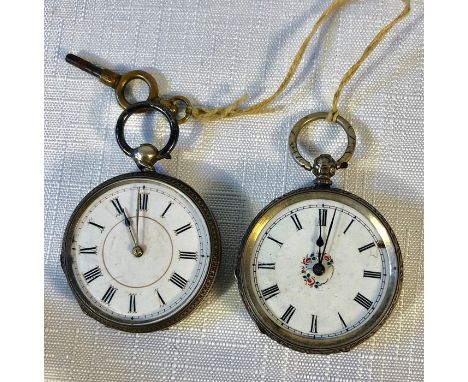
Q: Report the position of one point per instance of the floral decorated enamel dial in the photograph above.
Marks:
(320, 269)
(141, 251)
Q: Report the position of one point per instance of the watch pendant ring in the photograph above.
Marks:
(146, 155)
(303, 122)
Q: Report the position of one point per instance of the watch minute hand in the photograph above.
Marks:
(328, 235)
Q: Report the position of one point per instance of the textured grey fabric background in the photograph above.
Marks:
(214, 51)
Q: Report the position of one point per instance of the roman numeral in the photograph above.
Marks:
(296, 221)
(374, 275)
(349, 225)
(364, 301)
(132, 306)
(107, 298)
(270, 292)
(160, 298)
(266, 265)
(178, 280)
(276, 241)
(363, 248)
(187, 255)
(167, 209)
(118, 207)
(184, 228)
(143, 201)
(342, 321)
(323, 217)
(97, 225)
(88, 250)
(288, 314)
(92, 274)
(313, 325)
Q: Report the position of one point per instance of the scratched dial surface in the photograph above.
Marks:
(319, 269)
(140, 251)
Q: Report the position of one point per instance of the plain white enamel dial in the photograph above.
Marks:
(172, 235)
(328, 302)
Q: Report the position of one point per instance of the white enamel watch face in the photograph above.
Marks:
(319, 270)
(140, 252)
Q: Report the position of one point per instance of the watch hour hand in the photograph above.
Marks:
(137, 251)
(129, 226)
(319, 241)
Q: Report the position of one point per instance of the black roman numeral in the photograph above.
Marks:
(313, 325)
(364, 301)
(178, 280)
(276, 241)
(296, 221)
(107, 298)
(160, 298)
(92, 274)
(270, 292)
(88, 250)
(184, 228)
(342, 321)
(288, 314)
(118, 207)
(323, 217)
(132, 305)
(143, 201)
(167, 209)
(266, 265)
(349, 225)
(363, 248)
(97, 225)
(374, 275)
(187, 255)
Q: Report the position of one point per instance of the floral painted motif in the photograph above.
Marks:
(309, 278)
(328, 259)
(306, 275)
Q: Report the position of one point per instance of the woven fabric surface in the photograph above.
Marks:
(213, 52)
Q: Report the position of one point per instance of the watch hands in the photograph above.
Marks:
(318, 268)
(328, 236)
(129, 226)
(138, 214)
(137, 251)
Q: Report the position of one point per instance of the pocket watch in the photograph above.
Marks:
(141, 250)
(320, 268)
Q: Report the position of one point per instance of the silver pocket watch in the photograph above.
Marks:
(319, 269)
(141, 250)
